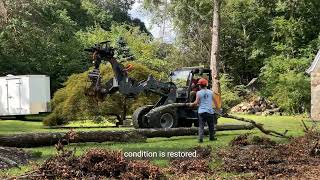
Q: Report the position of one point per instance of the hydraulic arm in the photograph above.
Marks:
(121, 82)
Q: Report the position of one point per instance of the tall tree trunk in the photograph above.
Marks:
(215, 54)
(3, 13)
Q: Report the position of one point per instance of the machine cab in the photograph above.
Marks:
(186, 81)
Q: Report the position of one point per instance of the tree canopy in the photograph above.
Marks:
(274, 40)
(41, 37)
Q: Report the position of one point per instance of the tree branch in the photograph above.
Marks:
(259, 126)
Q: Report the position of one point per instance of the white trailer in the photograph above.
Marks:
(24, 95)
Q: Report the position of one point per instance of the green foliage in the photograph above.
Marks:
(123, 51)
(36, 154)
(278, 36)
(40, 37)
(230, 93)
(71, 104)
(295, 41)
(245, 38)
(192, 20)
(245, 34)
(142, 47)
(36, 47)
(286, 84)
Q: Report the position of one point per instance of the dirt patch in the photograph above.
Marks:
(292, 160)
(12, 157)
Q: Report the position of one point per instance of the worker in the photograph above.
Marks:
(194, 89)
(205, 99)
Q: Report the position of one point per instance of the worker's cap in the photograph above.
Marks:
(203, 82)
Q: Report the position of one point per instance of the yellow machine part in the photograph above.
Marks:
(217, 98)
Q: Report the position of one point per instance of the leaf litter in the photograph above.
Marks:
(261, 157)
(298, 159)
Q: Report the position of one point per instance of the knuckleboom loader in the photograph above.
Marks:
(170, 111)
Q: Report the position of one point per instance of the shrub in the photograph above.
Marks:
(286, 84)
(70, 103)
(229, 92)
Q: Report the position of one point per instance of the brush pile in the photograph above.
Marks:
(192, 168)
(259, 156)
(298, 159)
(96, 164)
(101, 164)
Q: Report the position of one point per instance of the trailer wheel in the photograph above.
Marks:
(138, 118)
(164, 119)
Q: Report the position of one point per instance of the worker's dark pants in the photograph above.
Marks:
(203, 119)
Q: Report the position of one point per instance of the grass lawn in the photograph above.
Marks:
(279, 123)
(16, 127)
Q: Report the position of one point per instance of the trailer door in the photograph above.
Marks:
(3, 97)
(14, 96)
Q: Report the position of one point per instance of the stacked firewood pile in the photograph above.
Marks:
(258, 106)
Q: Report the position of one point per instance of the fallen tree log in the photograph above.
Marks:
(47, 139)
(151, 133)
(136, 135)
(79, 127)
